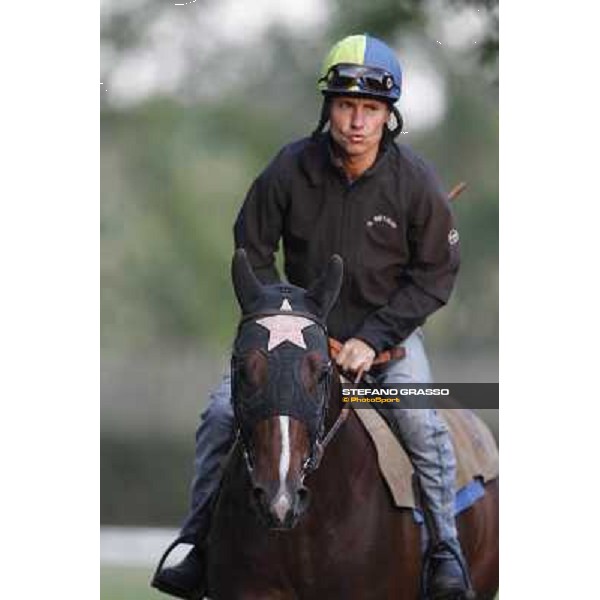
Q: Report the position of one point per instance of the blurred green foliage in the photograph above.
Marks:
(148, 478)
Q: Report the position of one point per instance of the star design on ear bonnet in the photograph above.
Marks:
(285, 328)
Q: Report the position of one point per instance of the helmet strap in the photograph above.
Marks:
(323, 118)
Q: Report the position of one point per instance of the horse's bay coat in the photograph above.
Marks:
(393, 227)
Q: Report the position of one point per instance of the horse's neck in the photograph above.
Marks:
(349, 466)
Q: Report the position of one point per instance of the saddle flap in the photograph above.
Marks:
(474, 446)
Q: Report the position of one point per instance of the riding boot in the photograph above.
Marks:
(427, 442)
(445, 575)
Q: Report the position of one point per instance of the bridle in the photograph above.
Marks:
(322, 438)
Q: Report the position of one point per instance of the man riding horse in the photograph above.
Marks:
(352, 191)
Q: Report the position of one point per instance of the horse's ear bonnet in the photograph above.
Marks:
(296, 320)
(248, 288)
(321, 296)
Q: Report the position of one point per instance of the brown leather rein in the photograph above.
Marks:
(334, 349)
(394, 354)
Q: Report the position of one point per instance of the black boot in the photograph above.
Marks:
(185, 580)
(446, 575)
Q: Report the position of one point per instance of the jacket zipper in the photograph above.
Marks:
(344, 248)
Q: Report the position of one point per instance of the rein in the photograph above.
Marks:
(393, 354)
(335, 347)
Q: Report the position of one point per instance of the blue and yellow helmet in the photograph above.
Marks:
(363, 66)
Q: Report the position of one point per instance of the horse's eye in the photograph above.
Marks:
(251, 370)
(314, 370)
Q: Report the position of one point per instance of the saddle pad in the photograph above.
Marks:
(474, 446)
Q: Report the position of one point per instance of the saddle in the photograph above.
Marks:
(475, 449)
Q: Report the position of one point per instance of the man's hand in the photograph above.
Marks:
(356, 356)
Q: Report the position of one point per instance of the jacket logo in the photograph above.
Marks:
(453, 237)
(382, 219)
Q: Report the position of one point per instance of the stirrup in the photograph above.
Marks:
(161, 562)
(469, 592)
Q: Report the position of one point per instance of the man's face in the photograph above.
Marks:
(356, 124)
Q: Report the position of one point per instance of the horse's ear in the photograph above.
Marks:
(323, 293)
(248, 288)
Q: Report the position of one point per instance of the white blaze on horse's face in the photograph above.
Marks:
(284, 328)
(283, 503)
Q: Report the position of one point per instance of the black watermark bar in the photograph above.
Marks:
(421, 395)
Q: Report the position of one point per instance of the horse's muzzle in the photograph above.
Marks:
(283, 509)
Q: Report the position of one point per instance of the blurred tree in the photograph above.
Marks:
(132, 27)
(489, 46)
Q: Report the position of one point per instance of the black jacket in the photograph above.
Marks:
(393, 227)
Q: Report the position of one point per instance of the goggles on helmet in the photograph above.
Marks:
(348, 77)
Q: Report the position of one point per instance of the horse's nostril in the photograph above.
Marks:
(303, 498)
(259, 494)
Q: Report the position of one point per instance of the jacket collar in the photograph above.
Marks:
(318, 159)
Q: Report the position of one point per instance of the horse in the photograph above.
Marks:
(302, 511)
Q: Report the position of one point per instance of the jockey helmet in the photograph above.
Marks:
(361, 66)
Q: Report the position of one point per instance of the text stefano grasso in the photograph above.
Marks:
(409, 391)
